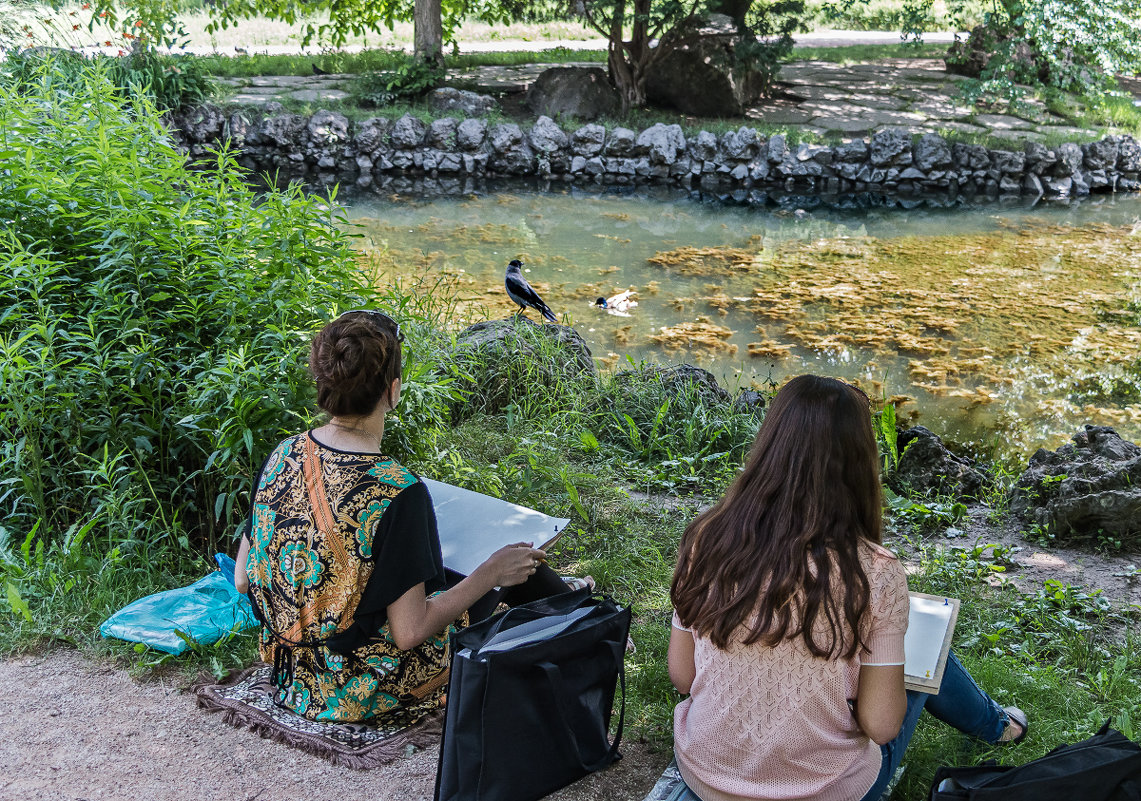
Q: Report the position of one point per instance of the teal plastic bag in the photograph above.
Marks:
(205, 612)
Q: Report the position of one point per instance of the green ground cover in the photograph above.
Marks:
(167, 310)
(239, 66)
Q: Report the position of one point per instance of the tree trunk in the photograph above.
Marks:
(737, 9)
(428, 30)
(627, 60)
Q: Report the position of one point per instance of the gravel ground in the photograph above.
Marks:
(86, 730)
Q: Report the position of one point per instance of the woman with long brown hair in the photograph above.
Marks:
(790, 616)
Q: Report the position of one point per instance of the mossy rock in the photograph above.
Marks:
(504, 361)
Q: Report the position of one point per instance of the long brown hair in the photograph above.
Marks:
(768, 555)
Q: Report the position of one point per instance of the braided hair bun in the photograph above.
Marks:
(355, 361)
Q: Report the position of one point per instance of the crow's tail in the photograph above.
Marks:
(545, 310)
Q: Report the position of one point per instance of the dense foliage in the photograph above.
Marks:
(358, 17)
(411, 79)
(170, 82)
(1068, 45)
(151, 318)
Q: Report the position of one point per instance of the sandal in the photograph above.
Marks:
(1013, 715)
(575, 583)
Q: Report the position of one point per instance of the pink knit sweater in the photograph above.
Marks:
(774, 723)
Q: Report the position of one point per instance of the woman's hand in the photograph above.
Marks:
(413, 618)
(513, 564)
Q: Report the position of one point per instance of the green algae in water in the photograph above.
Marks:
(993, 323)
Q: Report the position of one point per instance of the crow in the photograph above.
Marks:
(521, 292)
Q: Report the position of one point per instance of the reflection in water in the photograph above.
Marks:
(1007, 327)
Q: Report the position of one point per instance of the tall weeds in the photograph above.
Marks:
(151, 319)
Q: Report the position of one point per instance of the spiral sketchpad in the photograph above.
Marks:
(205, 612)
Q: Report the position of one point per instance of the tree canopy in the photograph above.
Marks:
(436, 21)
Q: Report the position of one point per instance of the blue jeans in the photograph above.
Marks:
(960, 703)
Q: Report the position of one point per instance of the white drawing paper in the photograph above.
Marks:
(473, 526)
(926, 630)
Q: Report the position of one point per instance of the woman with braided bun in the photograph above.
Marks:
(342, 561)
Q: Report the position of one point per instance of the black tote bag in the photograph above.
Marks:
(527, 718)
(1105, 767)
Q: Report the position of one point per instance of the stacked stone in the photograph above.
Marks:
(326, 147)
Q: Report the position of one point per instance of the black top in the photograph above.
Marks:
(406, 547)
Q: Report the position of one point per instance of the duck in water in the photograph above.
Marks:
(618, 305)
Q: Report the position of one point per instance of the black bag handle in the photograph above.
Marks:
(565, 599)
(552, 672)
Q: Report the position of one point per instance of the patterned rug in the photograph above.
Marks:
(246, 701)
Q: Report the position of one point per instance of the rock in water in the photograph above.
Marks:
(1089, 488)
(928, 468)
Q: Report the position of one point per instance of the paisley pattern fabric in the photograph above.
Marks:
(307, 584)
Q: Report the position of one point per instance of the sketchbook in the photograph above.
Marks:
(473, 526)
(930, 625)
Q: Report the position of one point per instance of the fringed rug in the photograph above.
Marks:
(246, 701)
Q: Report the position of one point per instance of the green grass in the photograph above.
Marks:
(1114, 111)
(379, 61)
(860, 54)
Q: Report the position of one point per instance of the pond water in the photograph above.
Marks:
(1000, 328)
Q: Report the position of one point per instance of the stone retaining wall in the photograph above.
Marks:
(326, 147)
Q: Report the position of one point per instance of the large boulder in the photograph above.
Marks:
(510, 151)
(700, 71)
(408, 132)
(371, 134)
(328, 128)
(927, 467)
(890, 147)
(1085, 489)
(502, 359)
(972, 55)
(661, 142)
(584, 93)
(200, 123)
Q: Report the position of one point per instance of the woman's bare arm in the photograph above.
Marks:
(682, 668)
(881, 702)
(241, 581)
(413, 617)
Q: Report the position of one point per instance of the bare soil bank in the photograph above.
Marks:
(86, 730)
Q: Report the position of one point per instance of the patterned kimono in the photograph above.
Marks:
(323, 574)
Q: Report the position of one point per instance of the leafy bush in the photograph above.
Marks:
(170, 82)
(152, 318)
(1069, 45)
(683, 440)
(411, 79)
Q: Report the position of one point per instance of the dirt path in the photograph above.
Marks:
(86, 730)
(1031, 564)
